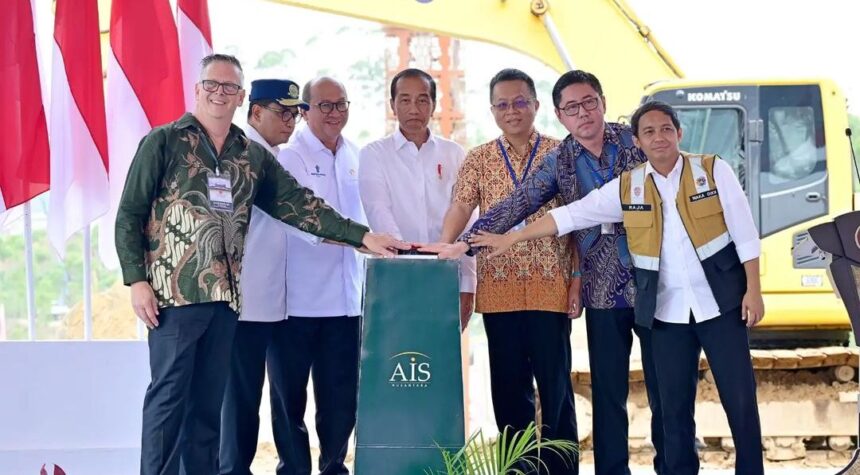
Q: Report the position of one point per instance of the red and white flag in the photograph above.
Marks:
(195, 43)
(144, 90)
(24, 152)
(79, 158)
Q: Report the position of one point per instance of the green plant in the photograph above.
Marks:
(504, 455)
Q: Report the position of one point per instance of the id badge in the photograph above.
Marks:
(220, 192)
(607, 228)
(519, 226)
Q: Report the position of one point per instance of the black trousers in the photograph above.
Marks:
(188, 354)
(326, 348)
(610, 338)
(676, 350)
(529, 346)
(240, 416)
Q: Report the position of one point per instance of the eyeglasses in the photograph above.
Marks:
(519, 103)
(288, 114)
(228, 88)
(328, 107)
(572, 108)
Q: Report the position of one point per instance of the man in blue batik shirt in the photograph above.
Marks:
(593, 154)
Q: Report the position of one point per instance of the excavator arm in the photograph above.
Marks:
(601, 36)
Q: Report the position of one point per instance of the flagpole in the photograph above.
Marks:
(88, 286)
(28, 265)
(2, 322)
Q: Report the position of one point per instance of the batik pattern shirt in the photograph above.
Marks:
(531, 275)
(168, 233)
(567, 174)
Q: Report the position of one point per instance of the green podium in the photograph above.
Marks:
(410, 391)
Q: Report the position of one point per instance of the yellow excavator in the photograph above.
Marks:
(784, 138)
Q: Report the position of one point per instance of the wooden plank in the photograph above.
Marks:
(835, 356)
(810, 358)
(801, 358)
(786, 359)
(581, 377)
(762, 359)
(854, 357)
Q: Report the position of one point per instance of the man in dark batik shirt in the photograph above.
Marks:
(593, 154)
(180, 237)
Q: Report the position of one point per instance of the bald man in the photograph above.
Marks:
(324, 284)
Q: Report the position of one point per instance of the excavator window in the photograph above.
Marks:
(792, 166)
(715, 130)
(793, 154)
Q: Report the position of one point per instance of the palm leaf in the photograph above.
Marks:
(503, 455)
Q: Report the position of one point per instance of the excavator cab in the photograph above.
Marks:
(785, 141)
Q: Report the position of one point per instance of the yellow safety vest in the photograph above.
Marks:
(699, 206)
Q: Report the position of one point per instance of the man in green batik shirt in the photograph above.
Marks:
(180, 231)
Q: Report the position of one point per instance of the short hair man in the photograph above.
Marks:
(524, 298)
(594, 153)
(273, 111)
(695, 251)
(407, 178)
(180, 237)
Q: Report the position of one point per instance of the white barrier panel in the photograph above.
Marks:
(76, 404)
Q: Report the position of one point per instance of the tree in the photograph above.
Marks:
(58, 284)
(271, 59)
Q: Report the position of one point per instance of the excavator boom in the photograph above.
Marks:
(604, 36)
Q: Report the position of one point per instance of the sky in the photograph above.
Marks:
(760, 38)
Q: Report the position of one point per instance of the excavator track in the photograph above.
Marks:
(807, 403)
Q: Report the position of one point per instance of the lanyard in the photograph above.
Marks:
(528, 164)
(599, 179)
(205, 140)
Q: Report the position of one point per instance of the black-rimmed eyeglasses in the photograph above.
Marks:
(286, 114)
(230, 89)
(572, 108)
(328, 107)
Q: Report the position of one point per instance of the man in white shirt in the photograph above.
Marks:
(695, 251)
(407, 178)
(324, 287)
(272, 115)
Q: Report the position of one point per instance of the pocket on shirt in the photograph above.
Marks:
(708, 206)
(638, 219)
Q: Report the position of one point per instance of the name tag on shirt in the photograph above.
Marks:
(635, 207)
(703, 195)
(220, 192)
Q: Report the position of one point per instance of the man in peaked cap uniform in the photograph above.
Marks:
(272, 116)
